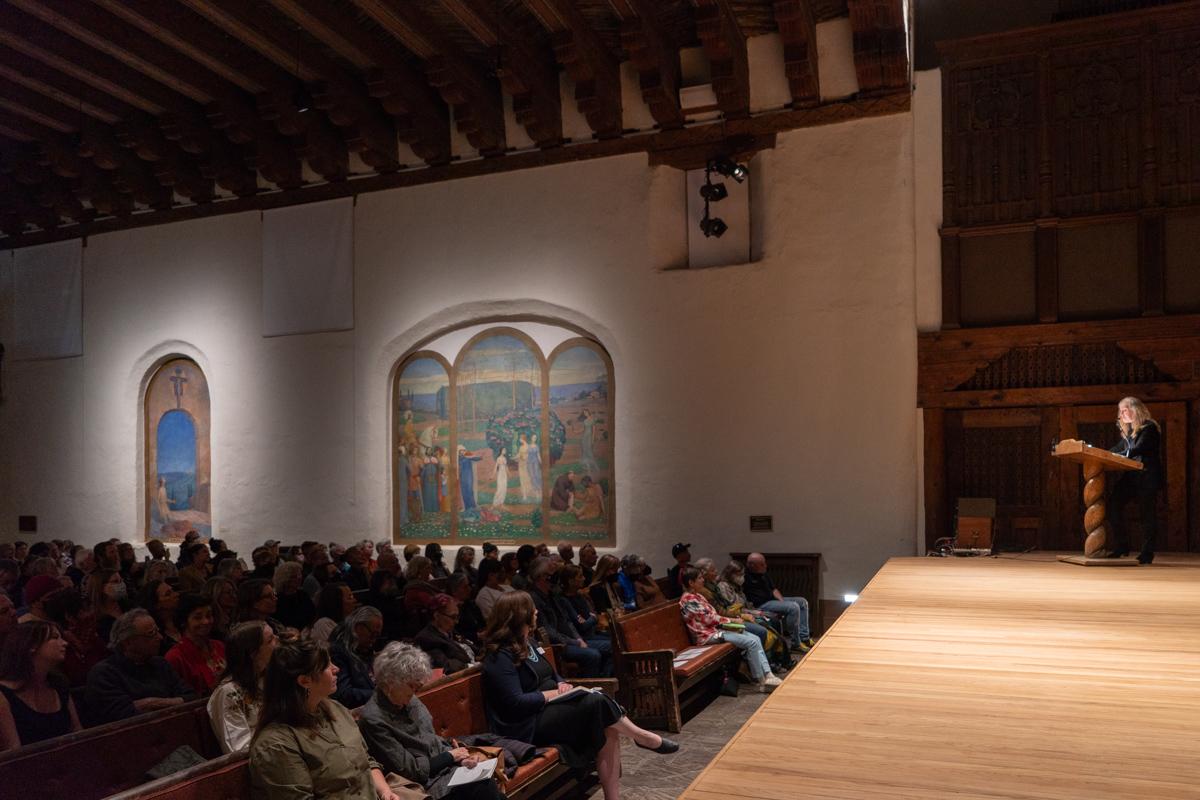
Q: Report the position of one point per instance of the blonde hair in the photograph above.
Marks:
(1141, 417)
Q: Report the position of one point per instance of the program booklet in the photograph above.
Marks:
(480, 772)
(574, 692)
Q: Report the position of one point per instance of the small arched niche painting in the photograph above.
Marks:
(178, 453)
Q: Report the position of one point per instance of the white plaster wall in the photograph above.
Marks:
(927, 197)
(784, 387)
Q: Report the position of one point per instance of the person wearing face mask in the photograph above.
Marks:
(106, 593)
(604, 588)
(34, 702)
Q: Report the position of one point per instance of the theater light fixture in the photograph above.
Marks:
(713, 192)
(712, 226)
(730, 169)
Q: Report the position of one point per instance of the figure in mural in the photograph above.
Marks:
(586, 438)
(523, 469)
(592, 506)
(429, 483)
(443, 480)
(535, 469)
(415, 506)
(423, 470)
(501, 479)
(562, 497)
(178, 456)
(402, 463)
(162, 504)
(466, 477)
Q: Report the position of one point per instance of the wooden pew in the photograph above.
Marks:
(653, 690)
(97, 762)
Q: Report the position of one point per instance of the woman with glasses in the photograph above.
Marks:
(399, 733)
(446, 649)
(257, 602)
(161, 601)
(352, 646)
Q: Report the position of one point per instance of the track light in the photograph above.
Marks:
(713, 227)
(714, 192)
(730, 169)
(302, 100)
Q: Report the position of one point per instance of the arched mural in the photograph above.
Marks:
(178, 452)
(503, 444)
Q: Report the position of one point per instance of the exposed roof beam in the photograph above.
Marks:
(19, 68)
(527, 75)
(880, 45)
(725, 46)
(798, 29)
(655, 57)
(471, 92)
(591, 66)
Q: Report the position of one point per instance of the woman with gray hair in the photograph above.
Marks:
(351, 647)
(399, 732)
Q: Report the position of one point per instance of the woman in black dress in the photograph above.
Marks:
(34, 703)
(1139, 441)
(520, 687)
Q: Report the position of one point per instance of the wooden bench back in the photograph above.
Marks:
(110, 758)
(659, 627)
(224, 778)
(456, 703)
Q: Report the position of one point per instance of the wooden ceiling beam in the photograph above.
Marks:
(798, 29)
(420, 116)
(723, 42)
(655, 57)
(464, 86)
(528, 75)
(335, 91)
(880, 45)
(596, 74)
(20, 69)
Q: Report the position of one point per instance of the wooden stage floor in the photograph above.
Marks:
(1011, 677)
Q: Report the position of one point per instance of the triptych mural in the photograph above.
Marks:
(504, 444)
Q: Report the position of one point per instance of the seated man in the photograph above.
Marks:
(593, 661)
(762, 593)
(135, 678)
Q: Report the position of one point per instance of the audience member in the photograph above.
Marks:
(631, 570)
(34, 702)
(706, 626)
(106, 555)
(389, 562)
(592, 661)
(566, 551)
(10, 576)
(357, 576)
(604, 590)
(576, 602)
(410, 552)
(77, 626)
(8, 617)
(464, 563)
(157, 550)
(131, 570)
(682, 553)
(231, 567)
(490, 552)
(433, 551)
(491, 572)
(83, 563)
(399, 732)
(134, 679)
(446, 649)
(161, 601)
(308, 745)
(222, 593)
(293, 607)
(257, 602)
(198, 658)
(193, 576)
(264, 563)
(762, 592)
(233, 708)
(587, 562)
(519, 685)
(319, 570)
(385, 595)
(36, 590)
(159, 571)
(419, 593)
(352, 647)
(334, 604)
(526, 553)
(471, 620)
(756, 623)
(106, 593)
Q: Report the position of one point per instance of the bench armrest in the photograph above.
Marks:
(607, 685)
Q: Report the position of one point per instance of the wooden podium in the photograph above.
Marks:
(1096, 461)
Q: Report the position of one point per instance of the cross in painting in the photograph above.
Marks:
(177, 381)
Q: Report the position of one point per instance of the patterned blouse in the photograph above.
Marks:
(702, 620)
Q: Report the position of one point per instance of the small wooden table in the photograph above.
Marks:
(1096, 461)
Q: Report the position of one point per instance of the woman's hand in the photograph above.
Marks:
(462, 756)
(564, 687)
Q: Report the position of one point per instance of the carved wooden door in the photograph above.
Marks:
(1097, 425)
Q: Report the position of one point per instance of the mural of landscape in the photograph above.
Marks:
(580, 479)
(178, 457)
(425, 467)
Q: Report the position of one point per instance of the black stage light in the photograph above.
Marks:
(730, 169)
(712, 192)
(713, 227)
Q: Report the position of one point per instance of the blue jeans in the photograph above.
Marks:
(752, 651)
(589, 659)
(794, 611)
(757, 630)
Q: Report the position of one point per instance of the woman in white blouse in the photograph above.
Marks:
(490, 588)
(233, 706)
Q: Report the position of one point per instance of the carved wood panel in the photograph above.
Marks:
(1177, 116)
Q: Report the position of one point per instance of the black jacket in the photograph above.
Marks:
(443, 651)
(512, 698)
(1144, 448)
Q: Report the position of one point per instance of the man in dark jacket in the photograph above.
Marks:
(761, 591)
(134, 679)
(558, 626)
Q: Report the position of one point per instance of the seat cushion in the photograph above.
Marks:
(711, 655)
(532, 768)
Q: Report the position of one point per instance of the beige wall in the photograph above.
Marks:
(781, 387)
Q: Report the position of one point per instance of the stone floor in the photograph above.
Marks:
(650, 776)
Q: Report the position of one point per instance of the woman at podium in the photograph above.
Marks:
(1139, 441)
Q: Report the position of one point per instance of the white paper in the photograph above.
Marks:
(308, 268)
(574, 692)
(480, 772)
(689, 654)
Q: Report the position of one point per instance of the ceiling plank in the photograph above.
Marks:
(725, 46)
(527, 75)
(468, 89)
(655, 57)
(798, 29)
(591, 66)
(21, 69)
(880, 45)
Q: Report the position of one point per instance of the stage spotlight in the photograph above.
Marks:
(713, 192)
(730, 169)
(713, 227)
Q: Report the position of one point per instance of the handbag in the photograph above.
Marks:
(405, 789)
(729, 683)
(485, 753)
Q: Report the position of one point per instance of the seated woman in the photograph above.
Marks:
(106, 595)
(592, 627)
(198, 658)
(222, 592)
(307, 745)
(491, 573)
(352, 646)
(34, 703)
(446, 649)
(733, 609)
(399, 732)
(233, 708)
(161, 600)
(334, 603)
(471, 621)
(519, 687)
(704, 625)
(293, 607)
(604, 589)
(257, 602)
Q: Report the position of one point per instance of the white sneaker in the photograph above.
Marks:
(768, 683)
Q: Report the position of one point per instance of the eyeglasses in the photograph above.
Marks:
(447, 615)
